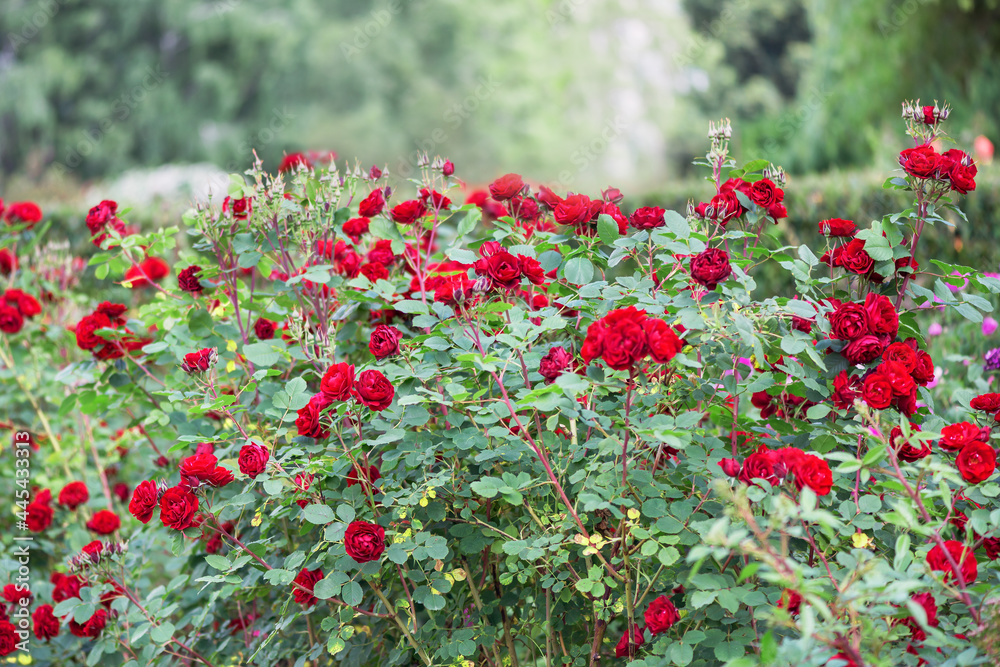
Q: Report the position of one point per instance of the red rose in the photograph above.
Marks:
(877, 391)
(506, 187)
(662, 342)
(46, 625)
(976, 462)
(765, 193)
(731, 467)
(8, 262)
(144, 500)
(899, 377)
(837, 227)
(189, 279)
(219, 477)
(384, 341)
(648, 217)
(623, 340)
(364, 541)
(356, 227)
(370, 474)
(240, 209)
(554, 364)
(531, 269)
(919, 162)
(104, 522)
(66, 586)
(814, 472)
(724, 207)
(710, 267)
(408, 212)
(92, 628)
(759, 465)
(855, 259)
(863, 350)
(661, 615)
(849, 321)
(957, 436)
(373, 390)
(303, 586)
(902, 354)
(628, 647)
(200, 361)
(25, 304)
(337, 382)
(882, 315)
(963, 557)
(73, 495)
(925, 600)
(547, 198)
(448, 168)
(373, 204)
(264, 329)
(178, 507)
(578, 211)
(148, 271)
(23, 212)
(986, 402)
(11, 320)
(923, 372)
(253, 459)
(292, 162)
(957, 166)
(502, 268)
(374, 272)
(198, 468)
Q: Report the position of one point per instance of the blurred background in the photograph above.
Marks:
(149, 101)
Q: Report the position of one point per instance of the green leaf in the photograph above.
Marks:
(218, 562)
(318, 513)
(352, 593)
(261, 354)
(162, 633)
(607, 229)
(578, 271)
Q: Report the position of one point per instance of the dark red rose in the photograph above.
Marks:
(100, 218)
(240, 209)
(624, 344)
(303, 584)
(8, 262)
(14, 594)
(408, 212)
(628, 647)
(963, 557)
(661, 615)
(370, 474)
(93, 549)
(731, 467)
(765, 194)
(189, 280)
(506, 187)
(724, 207)
(309, 422)
(710, 267)
(73, 495)
(791, 601)
(337, 382)
(200, 361)
(908, 450)
(578, 211)
(198, 468)
(219, 477)
(919, 162)
(661, 340)
(384, 341)
(899, 377)
(121, 490)
(364, 541)
(976, 462)
(923, 372)
(374, 272)
(356, 227)
(882, 315)
(986, 402)
(11, 320)
(373, 204)
(925, 600)
(86, 338)
(448, 168)
(373, 390)
(144, 501)
(92, 628)
(838, 227)
(957, 166)
(902, 354)
(849, 321)
(863, 350)
(46, 625)
(26, 304)
(66, 586)
(502, 268)
(760, 465)
(855, 259)
(648, 217)
(23, 212)
(253, 459)
(957, 436)
(554, 364)
(814, 472)
(264, 329)
(104, 522)
(877, 391)
(531, 269)
(178, 507)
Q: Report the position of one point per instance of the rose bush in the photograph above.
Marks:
(343, 426)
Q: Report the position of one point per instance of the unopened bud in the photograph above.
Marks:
(731, 467)
(448, 168)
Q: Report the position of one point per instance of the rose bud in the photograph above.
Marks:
(731, 467)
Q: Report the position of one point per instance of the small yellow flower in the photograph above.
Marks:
(862, 541)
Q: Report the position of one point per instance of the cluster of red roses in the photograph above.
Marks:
(363, 542)
(21, 213)
(370, 388)
(660, 616)
(868, 329)
(108, 316)
(726, 205)
(625, 336)
(954, 168)
(15, 306)
(102, 217)
(504, 270)
(852, 256)
(776, 465)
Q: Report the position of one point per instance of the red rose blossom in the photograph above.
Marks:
(710, 267)
(373, 390)
(506, 187)
(46, 625)
(253, 459)
(661, 615)
(104, 522)
(337, 382)
(144, 501)
(364, 541)
(189, 280)
(373, 204)
(303, 584)
(986, 402)
(200, 361)
(963, 557)
(178, 507)
(73, 495)
(384, 341)
(838, 227)
(976, 462)
(628, 646)
(877, 391)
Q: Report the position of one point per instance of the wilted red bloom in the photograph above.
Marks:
(189, 280)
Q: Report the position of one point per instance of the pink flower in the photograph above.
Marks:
(935, 329)
(989, 326)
